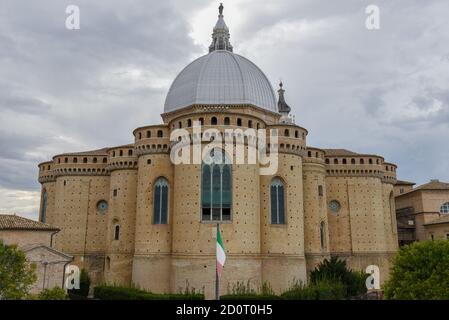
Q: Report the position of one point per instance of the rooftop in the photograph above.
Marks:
(13, 222)
(433, 185)
(403, 182)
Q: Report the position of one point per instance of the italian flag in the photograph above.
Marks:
(221, 255)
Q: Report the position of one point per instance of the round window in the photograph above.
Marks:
(102, 206)
(334, 205)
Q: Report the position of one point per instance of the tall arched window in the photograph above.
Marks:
(117, 232)
(227, 121)
(320, 190)
(44, 207)
(322, 235)
(160, 203)
(213, 121)
(277, 201)
(216, 194)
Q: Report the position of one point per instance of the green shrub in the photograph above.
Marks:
(420, 272)
(253, 296)
(105, 292)
(52, 294)
(336, 270)
(320, 290)
(83, 291)
(244, 291)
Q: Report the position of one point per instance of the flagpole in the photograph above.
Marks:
(217, 280)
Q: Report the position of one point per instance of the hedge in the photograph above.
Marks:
(124, 293)
(249, 297)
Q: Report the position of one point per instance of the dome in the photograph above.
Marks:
(221, 78)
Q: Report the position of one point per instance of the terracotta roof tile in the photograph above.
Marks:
(434, 185)
(339, 152)
(13, 222)
(403, 182)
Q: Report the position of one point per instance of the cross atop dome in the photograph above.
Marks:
(220, 35)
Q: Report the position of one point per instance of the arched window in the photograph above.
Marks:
(250, 124)
(277, 201)
(239, 122)
(95, 160)
(335, 161)
(362, 161)
(320, 191)
(444, 209)
(160, 133)
(344, 161)
(216, 192)
(189, 122)
(201, 120)
(130, 152)
(179, 124)
(286, 133)
(352, 161)
(227, 121)
(296, 134)
(121, 153)
(327, 161)
(322, 235)
(117, 232)
(44, 207)
(213, 121)
(160, 203)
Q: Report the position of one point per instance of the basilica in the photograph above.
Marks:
(131, 216)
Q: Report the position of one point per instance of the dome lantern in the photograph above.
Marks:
(221, 78)
(220, 35)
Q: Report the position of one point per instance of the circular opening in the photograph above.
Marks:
(334, 206)
(102, 206)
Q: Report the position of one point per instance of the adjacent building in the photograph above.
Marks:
(35, 239)
(422, 212)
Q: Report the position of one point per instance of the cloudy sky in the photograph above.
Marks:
(376, 91)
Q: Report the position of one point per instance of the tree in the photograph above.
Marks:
(420, 272)
(16, 274)
(83, 291)
(336, 270)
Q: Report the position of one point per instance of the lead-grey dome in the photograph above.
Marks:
(220, 78)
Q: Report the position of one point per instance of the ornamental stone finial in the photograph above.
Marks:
(220, 9)
(283, 107)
